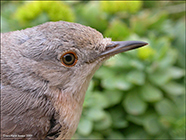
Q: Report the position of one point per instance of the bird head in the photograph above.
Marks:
(65, 55)
(57, 60)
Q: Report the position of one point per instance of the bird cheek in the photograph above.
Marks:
(58, 78)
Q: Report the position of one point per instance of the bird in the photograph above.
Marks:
(45, 72)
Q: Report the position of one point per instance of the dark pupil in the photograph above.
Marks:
(69, 59)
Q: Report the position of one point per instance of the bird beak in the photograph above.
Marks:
(121, 46)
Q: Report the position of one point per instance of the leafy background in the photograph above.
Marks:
(137, 94)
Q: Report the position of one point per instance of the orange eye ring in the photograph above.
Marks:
(69, 59)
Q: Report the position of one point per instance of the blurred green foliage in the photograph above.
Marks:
(137, 94)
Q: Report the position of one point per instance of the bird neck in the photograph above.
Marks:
(69, 107)
(69, 102)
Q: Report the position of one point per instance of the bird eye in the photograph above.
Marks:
(69, 59)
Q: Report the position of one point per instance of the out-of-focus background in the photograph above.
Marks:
(137, 94)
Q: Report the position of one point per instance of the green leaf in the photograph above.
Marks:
(176, 72)
(145, 52)
(136, 133)
(180, 103)
(95, 114)
(92, 16)
(136, 77)
(163, 136)
(161, 47)
(85, 126)
(139, 120)
(152, 125)
(118, 30)
(98, 100)
(136, 119)
(166, 108)
(169, 59)
(117, 82)
(167, 121)
(134, 6)
(137, 64)
(109, 83)
(138, 23)
(178, 130)
(104, 72)
(173, 88)
(150, 93)
(179, 40)
(159, 22)
(159, 77)
(133, 104)
(113, 96)
(118, 118)
(119, 60)
(55, 10)
(122, 83)
(95, 135)
(113, 7)
(103, 124)
(120, 124)
(115, 135)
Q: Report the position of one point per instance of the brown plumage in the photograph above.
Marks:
(43, 89)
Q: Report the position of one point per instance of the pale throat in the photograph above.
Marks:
(70, 109)
(69, 102)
